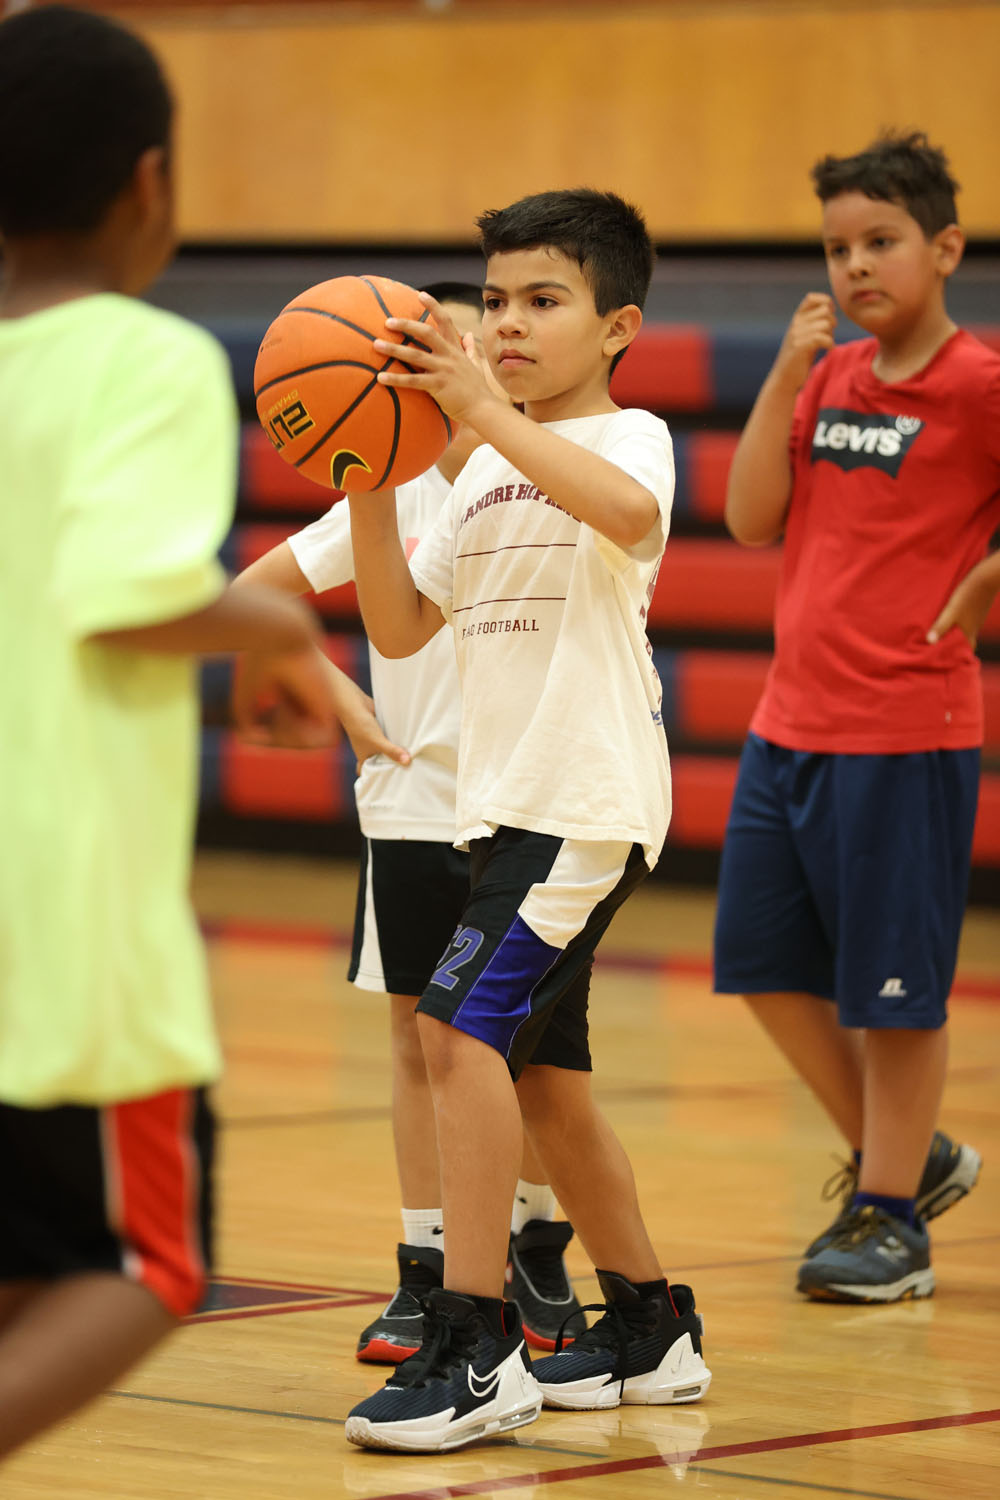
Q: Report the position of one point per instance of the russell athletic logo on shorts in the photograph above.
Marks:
(856, 439)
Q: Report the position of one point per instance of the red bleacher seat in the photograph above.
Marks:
(268, 483)
(668, 368)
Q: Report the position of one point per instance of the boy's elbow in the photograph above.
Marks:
(750, 536)
(748, 530)
(636, 523)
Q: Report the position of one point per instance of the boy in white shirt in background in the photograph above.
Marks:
(412, 887)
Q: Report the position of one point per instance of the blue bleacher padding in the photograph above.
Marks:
(210, 779)
(741, 359)
(683, 501)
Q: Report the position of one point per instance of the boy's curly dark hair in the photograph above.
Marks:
(899, 167)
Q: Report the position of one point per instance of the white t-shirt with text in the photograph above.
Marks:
(561, 727)
(416, 697)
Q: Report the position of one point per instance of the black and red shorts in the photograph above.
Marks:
(124, 1188)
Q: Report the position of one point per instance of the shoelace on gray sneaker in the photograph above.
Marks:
(859, 1225)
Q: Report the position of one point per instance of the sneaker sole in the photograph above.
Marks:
(396, 1436)
(518, 1402)
(679, 1378)
(960, 1181)
(906, 1289)
(384, 1351)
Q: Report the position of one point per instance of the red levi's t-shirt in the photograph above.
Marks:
(895, 495)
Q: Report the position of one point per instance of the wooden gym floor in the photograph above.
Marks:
(808, 1400)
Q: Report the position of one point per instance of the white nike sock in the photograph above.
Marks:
(424, 1227)
(532, 1200)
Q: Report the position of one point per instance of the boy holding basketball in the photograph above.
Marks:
(118, 488)
(411, 890)
(847, 855)
(543, 558)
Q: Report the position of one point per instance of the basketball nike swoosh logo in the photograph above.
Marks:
(341, 462)
(482, 1386)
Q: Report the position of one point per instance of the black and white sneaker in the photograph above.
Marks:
(471, 1378)
(397, 1332)
(644, 1351)
(538, 1282)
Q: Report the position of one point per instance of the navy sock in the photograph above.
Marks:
(900, 1208)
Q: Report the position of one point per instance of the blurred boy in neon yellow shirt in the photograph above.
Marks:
(118, 477)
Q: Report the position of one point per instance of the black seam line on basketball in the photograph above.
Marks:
(339, 422)
(378, 298)
(397, 424)
(449, 431)
(517, 599)
(376, 294)
(321, 312)
(350, 410)
(326, 364)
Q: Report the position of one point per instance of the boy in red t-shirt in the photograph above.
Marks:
(846, 859)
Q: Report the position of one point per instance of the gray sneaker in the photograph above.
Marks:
(950, 1173)
(873, 1257)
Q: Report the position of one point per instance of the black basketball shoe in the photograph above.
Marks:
(644, 1351)
(537, 1281)
(398, 1330)
(470, 1379)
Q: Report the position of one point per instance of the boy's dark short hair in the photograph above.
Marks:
(902, 168)
(605, 235)
(465, 293)
(81, 98)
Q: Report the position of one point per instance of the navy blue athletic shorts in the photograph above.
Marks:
(517, 971)
(845, 876)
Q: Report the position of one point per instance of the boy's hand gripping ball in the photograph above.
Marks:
(318, 398)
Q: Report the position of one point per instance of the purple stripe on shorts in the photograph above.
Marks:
(499, 1002)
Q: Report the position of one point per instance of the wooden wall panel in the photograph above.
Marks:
(400, 125)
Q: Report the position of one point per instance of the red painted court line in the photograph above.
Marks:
(965, 987)
(364, 1300)
(661, 1460)
(326, 1297)
(283, 1286)
(263, 1312)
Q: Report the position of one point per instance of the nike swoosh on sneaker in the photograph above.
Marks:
(483, 1386)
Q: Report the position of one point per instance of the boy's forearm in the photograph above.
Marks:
(398, 619)
(349, 700)
(245, 617)
(760, 477)
(278, 569)
(589, 487)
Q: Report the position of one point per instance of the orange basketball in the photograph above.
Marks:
(318, 397)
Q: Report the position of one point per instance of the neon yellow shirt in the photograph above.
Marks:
(117, 478)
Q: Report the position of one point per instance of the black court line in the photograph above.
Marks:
(620, 1093)
(695, 1458)
(798, 1484)
(302, 1416)
(246, 1411)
